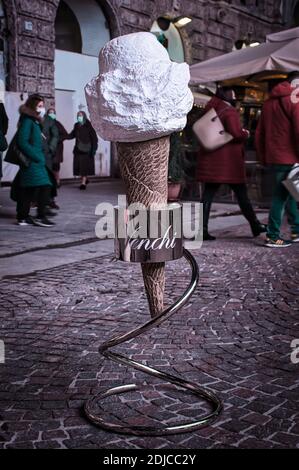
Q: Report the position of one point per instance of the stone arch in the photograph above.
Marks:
(111, 17)
(109, 12)
(187, 46)
(68, 35)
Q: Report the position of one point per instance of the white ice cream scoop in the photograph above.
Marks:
(139, 94)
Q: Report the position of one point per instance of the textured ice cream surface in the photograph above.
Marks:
(140, 94)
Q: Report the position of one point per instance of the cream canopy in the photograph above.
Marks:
(280, 53)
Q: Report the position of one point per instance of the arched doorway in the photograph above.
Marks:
(81, 30)
(67, 30)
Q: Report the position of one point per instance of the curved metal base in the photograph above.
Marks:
(190, 387)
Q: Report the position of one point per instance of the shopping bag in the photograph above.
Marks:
(210, 131)
(292, 182)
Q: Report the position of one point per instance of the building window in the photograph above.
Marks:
(67, 30)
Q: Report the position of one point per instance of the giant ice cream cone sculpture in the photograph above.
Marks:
(138, 165)
(139, 98)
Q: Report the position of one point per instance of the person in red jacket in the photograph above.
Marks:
(277, 145)
(226, 165)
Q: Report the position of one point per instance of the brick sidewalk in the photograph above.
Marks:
(234, 338)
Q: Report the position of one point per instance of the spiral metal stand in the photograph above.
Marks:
(190, 387)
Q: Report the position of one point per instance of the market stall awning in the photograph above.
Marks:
(286, 35)
(280, 53)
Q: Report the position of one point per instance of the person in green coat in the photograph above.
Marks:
(34, 182)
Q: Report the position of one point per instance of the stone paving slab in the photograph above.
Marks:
(33, 261)
(75, 221)
(234, 338)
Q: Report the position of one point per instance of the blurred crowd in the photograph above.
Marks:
(37, 148)
(276, 141)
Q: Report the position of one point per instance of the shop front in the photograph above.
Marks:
(250, 71)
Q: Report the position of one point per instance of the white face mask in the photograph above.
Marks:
(41, 111)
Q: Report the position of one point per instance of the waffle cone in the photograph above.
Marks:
(144, 170)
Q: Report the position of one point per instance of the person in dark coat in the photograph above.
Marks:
(50, 143)
(51, 138)
(3, 129)
(33, 181)
(226, 165)
(58, 156)
(277, 145)
(85, 148)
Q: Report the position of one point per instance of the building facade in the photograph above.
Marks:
(52, 46)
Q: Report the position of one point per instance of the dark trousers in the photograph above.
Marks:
(282, 202)
(240, 190)
(38, 194)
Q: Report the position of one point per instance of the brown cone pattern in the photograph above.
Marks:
(144, 169)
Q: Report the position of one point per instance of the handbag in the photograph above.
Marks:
(3, 142)
(15, 156)
(210, 131)
(82, 147)
(292, 182)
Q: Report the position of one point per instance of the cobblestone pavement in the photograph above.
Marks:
(234, 338)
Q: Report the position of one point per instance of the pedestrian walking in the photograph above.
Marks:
(32, 182)
(58, 157)
(50, 142)
(50, 137)
(226, 165)
(277, 145)
(85, 148)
